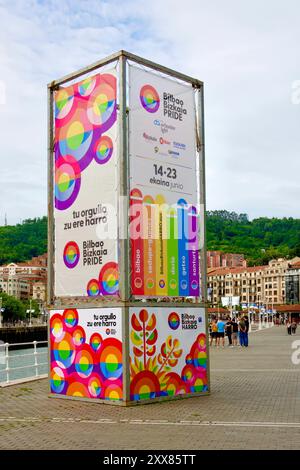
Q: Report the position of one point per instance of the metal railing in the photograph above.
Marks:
(26, 362)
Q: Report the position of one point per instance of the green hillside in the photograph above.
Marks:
(259, 240)
(23, 241)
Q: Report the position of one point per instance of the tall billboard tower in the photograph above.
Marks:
(127, 255)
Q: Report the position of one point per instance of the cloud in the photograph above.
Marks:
(245, 52)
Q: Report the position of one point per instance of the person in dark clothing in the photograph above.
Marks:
(235, 331)
(242, 331)
(246, 320)
(228, 329)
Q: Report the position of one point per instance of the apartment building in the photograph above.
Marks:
(292, 284)
(12, 285)
(218, 259)
(19, 279)
(258, 284)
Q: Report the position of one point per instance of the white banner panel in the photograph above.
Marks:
(168, 352)
(163, 180)
(85, 174)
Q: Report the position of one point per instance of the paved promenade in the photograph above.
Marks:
(254, 404)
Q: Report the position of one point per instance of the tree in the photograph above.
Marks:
(14, 309)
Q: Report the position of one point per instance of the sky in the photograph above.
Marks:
(246, 53)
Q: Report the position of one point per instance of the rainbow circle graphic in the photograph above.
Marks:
(200, 359)
(110, 358)
(109, 279)
(194, 285)
(71, 254)
(58, 379)
(187, 373)
(174, 384)
(113, 390)
(150, 283)
(84, 361)
(101, 108)
(64, 99)
(162, 283)
(103, 149)
(86, 87)
(173, 320)
(95, 341)
(149, 98)
(70, 317)
(94, 386)
(189, 359)
(77, 389)
(93, 288)
(75, 139)
(144, 385)
(67, 181)
(56, 327)
(64, 352)
(138, 282)
(78, 336)
(199, 383)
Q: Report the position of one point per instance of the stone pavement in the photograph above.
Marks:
(254, 404)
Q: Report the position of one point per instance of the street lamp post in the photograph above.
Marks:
(30, 311)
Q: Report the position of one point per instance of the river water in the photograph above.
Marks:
(21, 358)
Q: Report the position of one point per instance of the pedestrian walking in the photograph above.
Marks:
(235, 331)
(289, 327)
(228, 330)
(293, 327)
(221, 332)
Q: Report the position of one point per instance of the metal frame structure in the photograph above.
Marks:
(125, 301)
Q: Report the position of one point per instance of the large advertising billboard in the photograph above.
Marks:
(86, 353)
(85, 187)
(164, 209)
(168, 355)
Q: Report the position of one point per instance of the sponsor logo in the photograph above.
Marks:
(174, 154)
(149, 98)
(179, 145)
(163, 126)
(173, 320)
(107, 331)
(151, 138)
(163, 141)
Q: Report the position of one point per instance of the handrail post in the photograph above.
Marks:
(35, 359)
(7, 362)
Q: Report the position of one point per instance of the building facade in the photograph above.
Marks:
(19, 279)
(14, 286)
(261, 285)
(292, 284)
(218, 259)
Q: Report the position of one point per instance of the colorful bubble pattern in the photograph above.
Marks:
(79, 368)
(108, 282)
(83, 113)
